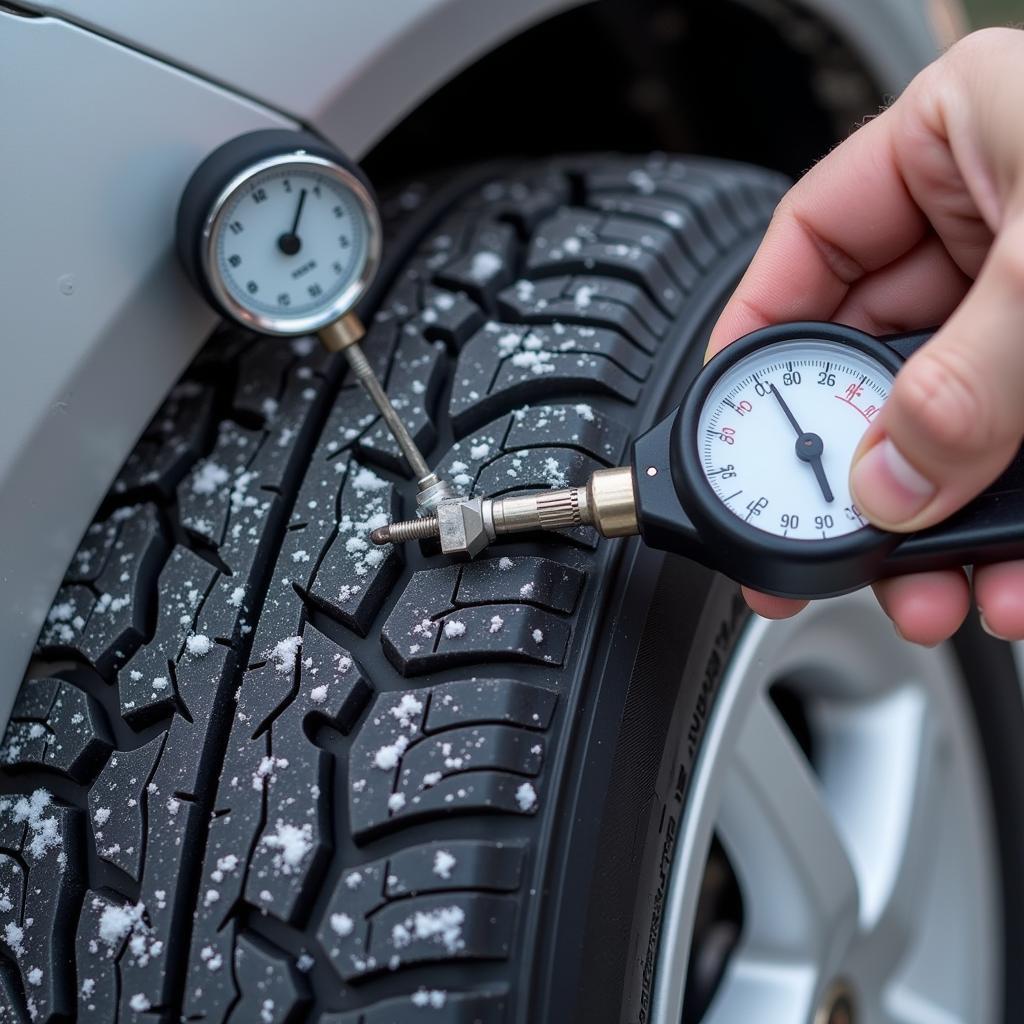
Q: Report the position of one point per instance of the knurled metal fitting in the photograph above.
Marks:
(465, 526)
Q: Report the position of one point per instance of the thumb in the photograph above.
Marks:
(955, 417)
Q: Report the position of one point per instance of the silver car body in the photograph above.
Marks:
(107, 106)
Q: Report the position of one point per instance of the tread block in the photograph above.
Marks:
(289, 422)
(582, 242)
(271, 989)
(430, 1006)
(525, 201)
(448, 318)
(71, 735)
(502, 365)
(117, 624)
(171, 443)
(272, 359)
(66, 619)
(673, 181)
(513, 632)
(398, 770)
(48, 850)
(367, 929)
(104, 928)
(480, 748)
(487, 266)
(693, 240)
(218, 484)
(105, 621)
(459, 864)
(522, 578)
(590, 301)
(426, 929)
(478, 701)
(146, 682)
(117, 806)
(428, 629)
(576, 426)
(355, 577)
(173, 828)
(291, 847)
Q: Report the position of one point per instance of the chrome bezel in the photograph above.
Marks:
(306, 323)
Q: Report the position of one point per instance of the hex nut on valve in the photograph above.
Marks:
(462, 528)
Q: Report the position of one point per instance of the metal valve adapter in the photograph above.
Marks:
(465, 526)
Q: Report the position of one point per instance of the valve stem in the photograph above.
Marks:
(465, 526)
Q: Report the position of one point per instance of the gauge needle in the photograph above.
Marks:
(809, 447)
(289, 243)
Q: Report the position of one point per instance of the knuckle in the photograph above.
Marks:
(943, 397)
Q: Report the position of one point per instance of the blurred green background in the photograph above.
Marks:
(994, 12)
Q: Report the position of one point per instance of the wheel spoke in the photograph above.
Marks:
(884, 777)
(903, 1006)
(768, 990)
(799, 888)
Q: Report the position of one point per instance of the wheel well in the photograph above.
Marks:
(757, 80)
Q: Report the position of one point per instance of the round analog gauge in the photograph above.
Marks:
(777, 433)
(291, 243)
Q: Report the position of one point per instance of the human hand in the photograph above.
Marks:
(916, 219)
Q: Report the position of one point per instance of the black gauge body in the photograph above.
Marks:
(678, 510)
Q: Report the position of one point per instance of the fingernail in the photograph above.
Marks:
(887, 487)
(988, 629)
(916, 643)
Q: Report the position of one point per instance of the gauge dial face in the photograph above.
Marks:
(778, 430)
(289, 244)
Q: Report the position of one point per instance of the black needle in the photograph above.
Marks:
(289, 243)
(785, 409)
(808, 447)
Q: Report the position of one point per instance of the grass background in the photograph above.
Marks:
(995, 12)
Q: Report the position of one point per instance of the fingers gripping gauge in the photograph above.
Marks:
(280, 232)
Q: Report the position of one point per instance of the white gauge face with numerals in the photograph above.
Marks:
(777, 434)
(291, 244)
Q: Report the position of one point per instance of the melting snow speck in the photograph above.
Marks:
(442, 925)
(291, 843)
(285, 653)
(198, 645)
(485, 265)
(44, 831)
(526, 797)
(454, 628)
(342, 924)
(443, 864)
(434, 998)
(505, 564)
(209, 477)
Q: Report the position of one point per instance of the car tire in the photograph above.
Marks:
(261, 771)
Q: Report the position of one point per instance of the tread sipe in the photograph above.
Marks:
(264, 772)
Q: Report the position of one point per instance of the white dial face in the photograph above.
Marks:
(778, 431)
(289, 242)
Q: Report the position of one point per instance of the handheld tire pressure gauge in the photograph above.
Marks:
(280, 233)
(749, 476)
